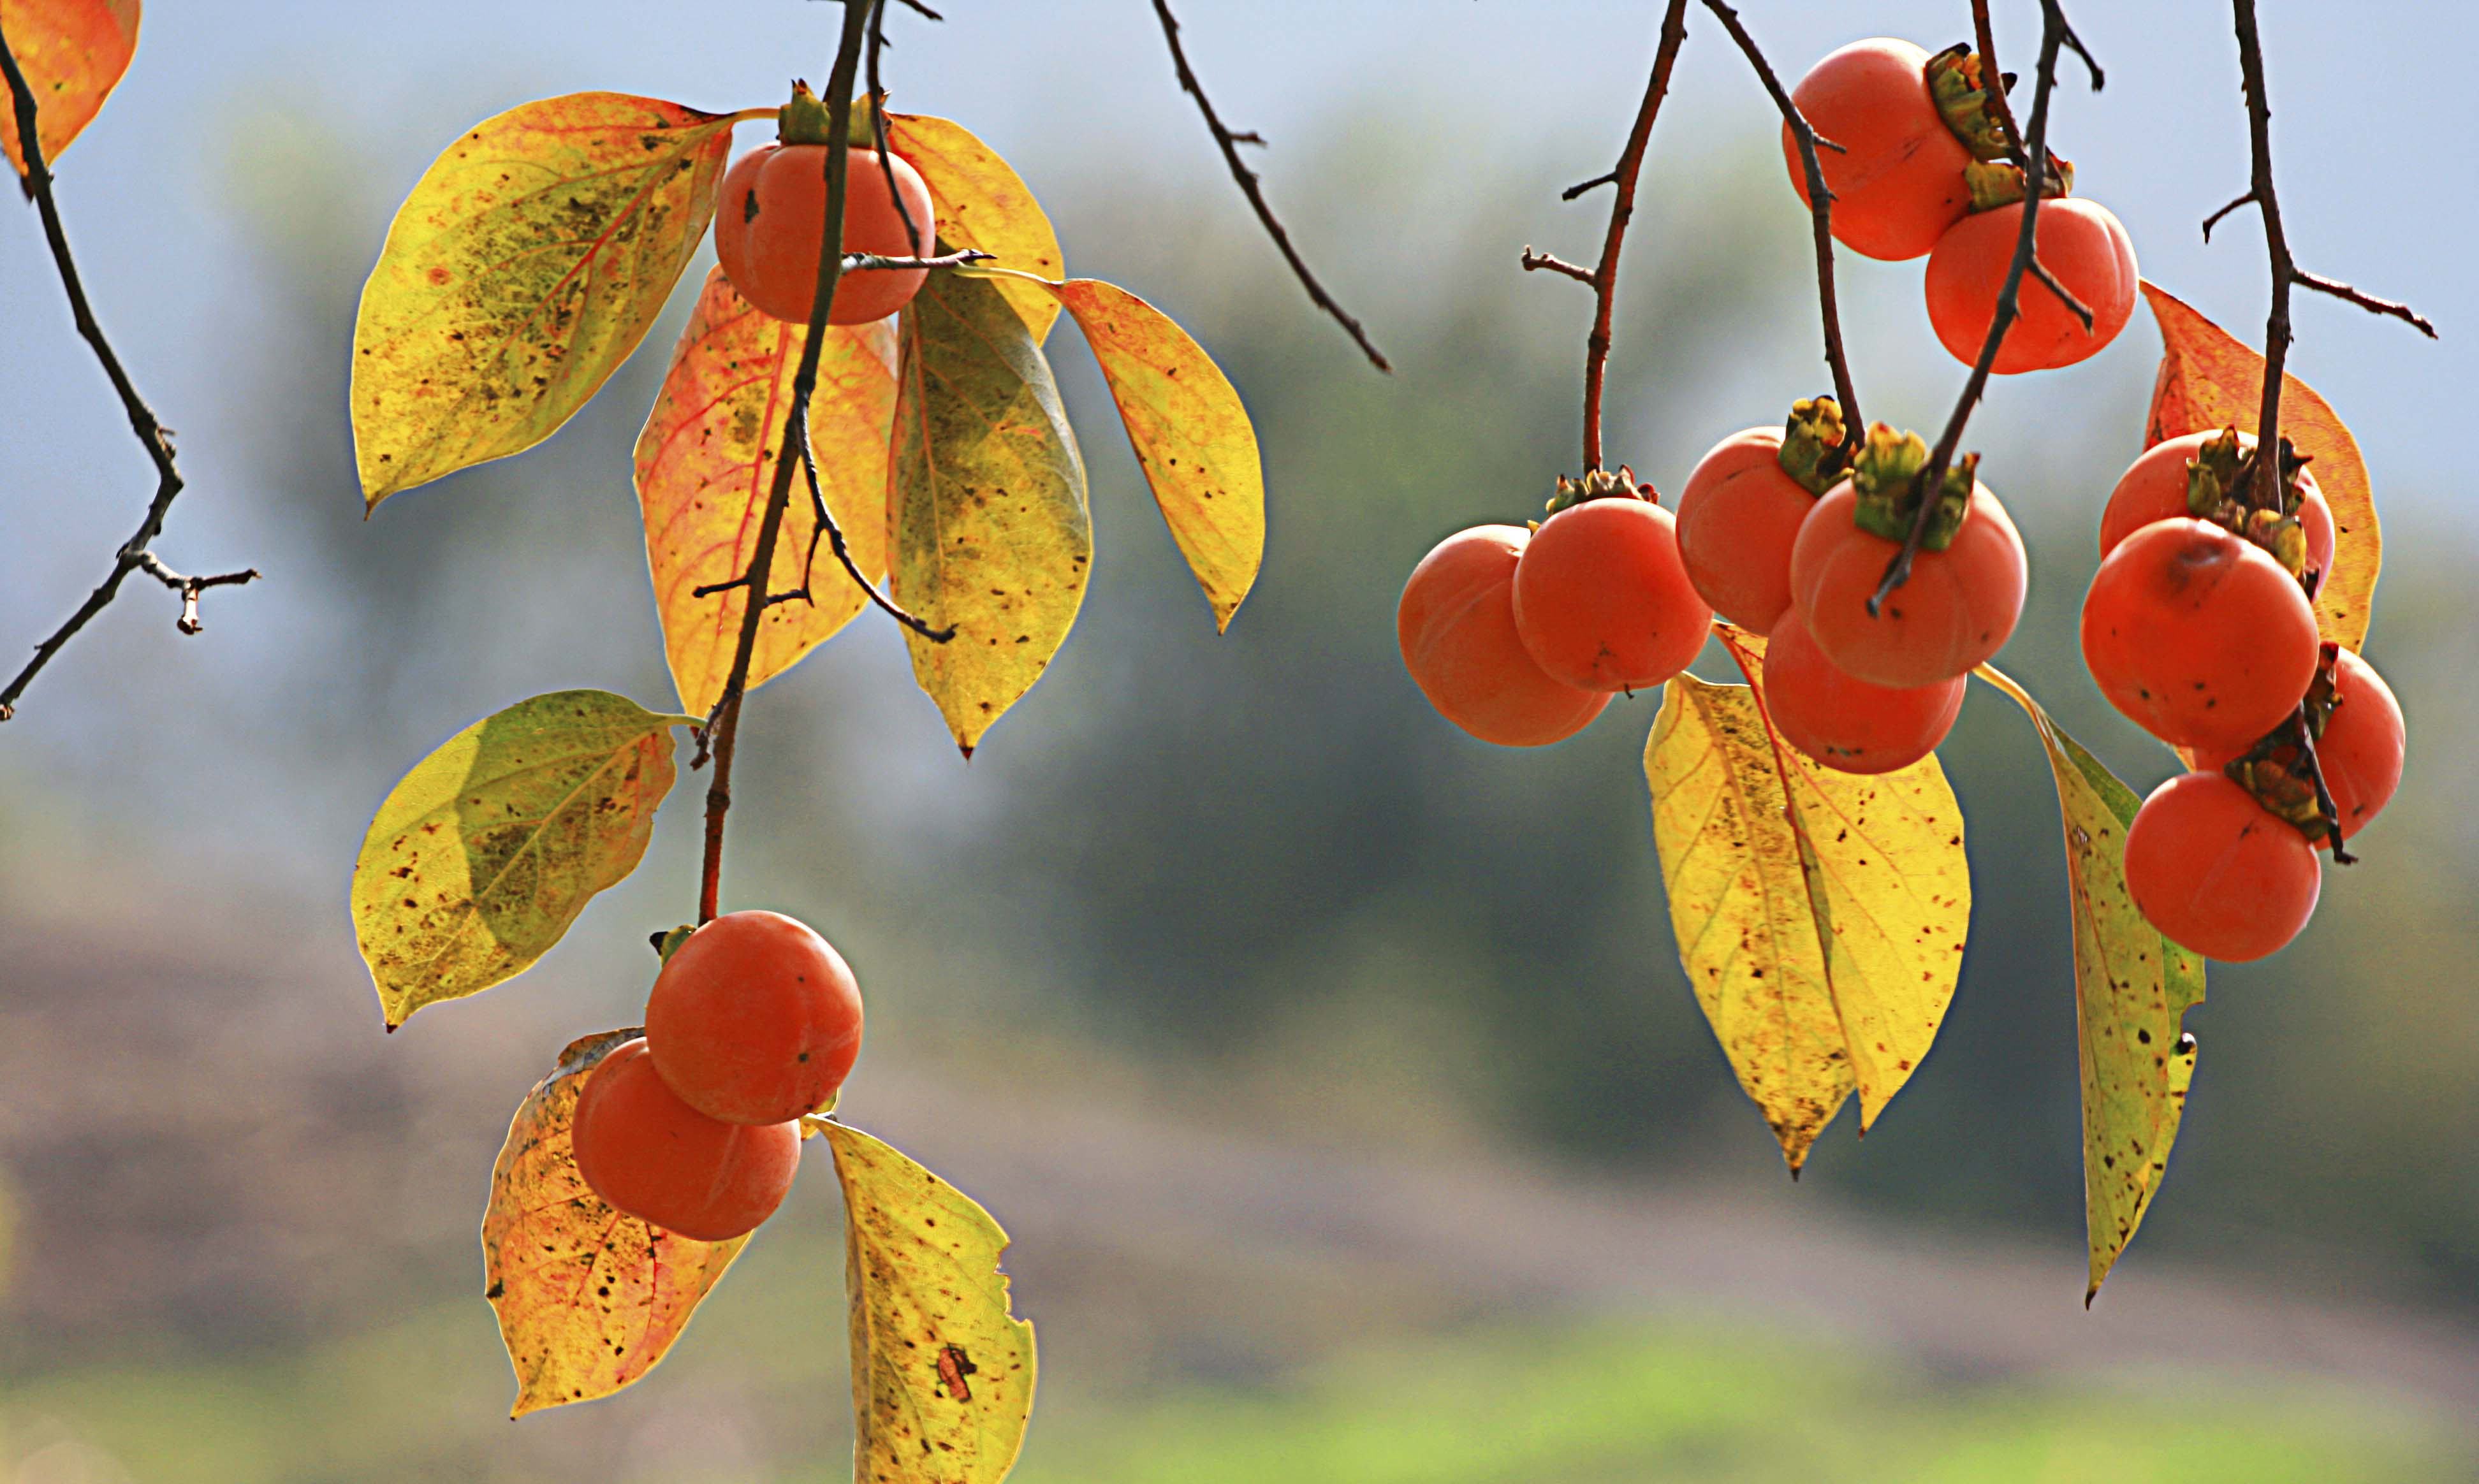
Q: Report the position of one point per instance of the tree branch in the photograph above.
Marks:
(823, 523)
(133, 554)
(1230, 142)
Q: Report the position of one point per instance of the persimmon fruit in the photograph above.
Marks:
(770, 222)
(1455, 624)
(1603, 600)
(2154, 488)
(2197, 635)
(654, 1157)
(1844, 722)
(2361, 752)
(2217, 872)
(1739, 514)
(1958, 607)
(1897, 180)
(755, 1020)
(2080, 241)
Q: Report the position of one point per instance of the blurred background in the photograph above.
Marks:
(1333, 1071)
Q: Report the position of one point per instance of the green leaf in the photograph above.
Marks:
(588, 1299)
(2132, 989)
(486, 852)
(993, 536)
(525, 265)
(942, 1372)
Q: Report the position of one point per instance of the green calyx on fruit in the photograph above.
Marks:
(2221, 487)
(1999, 183)
(1886, 478)
(1812, 451)
(802, 120)
(1958, 82)
(2275, 769)
(1600, 484)
(668, 944)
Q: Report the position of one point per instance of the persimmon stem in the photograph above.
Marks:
(135, 553)
(718, 737)
(1229, 144)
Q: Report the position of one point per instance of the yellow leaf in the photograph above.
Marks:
(588, 1299)
(992, 533)
(2209, 380)
(525, 268)
(2132, 989)
(485, 853)
(74, 53)
(942, 1372)
(1189, 430)
(984, 204)
(1819, 916)
(705, 466)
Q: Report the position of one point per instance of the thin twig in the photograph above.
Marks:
(1820, 201)
(878, 122)
(2364, 300)
(1992, 82)
(1930, 480)
(2325, 803)
(824, 523)
(133, 554)
(864, 262)
(1534, 261)
(2065, 296)
(1229, 144)
(2214, 219)
(1605, 178)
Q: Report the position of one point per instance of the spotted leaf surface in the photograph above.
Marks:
(984, 204)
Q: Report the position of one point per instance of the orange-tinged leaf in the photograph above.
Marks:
(588, 1299)
(942, 1372)
(1821, 916)
(2132, 989)
(525, 265)
(992, 533)
(484, 853)
(74, 53)
(984, 204)
(2210, 379)
(1189, 430)
(705, 467)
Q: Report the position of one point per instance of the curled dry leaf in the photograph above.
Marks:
(525, 265)
(588, 1299)
(74, 53)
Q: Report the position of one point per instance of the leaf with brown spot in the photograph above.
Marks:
(483, 855)
(705, 466)
(2210, 379)
(525, 265)
(2132, 989)
(588, 1299)
(984, 204)
(993, 536)
(942, 1371)
(74, 53)
(1821, 916)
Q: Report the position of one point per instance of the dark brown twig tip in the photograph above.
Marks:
(1606, 178)
(2074, 306)
(1229, 143)
(2214, 219)
(2366, 301)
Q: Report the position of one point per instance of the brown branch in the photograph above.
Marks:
(1930, 480)
(866, 262)
(1992, 81)
(1535, 260)
(2214, 219)
(878, 121)
(720, 733)
(2364, 300)
(823, 522)
(133, 554)
(1229, 144)
(1820, 202)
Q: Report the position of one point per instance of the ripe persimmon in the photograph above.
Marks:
(2359, 754)
(1601, 600)
(1738, 515)
(649, 1153)
(1958, 607)
(1844, 722)
(1456, 627)
(2197, 635)
(2080, 241)
(2217, 872)
(1898, 179)
(2155, 488)
(771, 220)
(755, 1020)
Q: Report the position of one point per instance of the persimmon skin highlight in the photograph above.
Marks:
(1739, 514)
(2217, 872)
(1958, 609)
(2198, 636)
(1898, 181)
(2361, 752)
(2154, 488)
(1603, 600)
(1455, 624)
(755, 1019)
(1844, 722)
(654, 1157)
(769, 221)
(2080, 242)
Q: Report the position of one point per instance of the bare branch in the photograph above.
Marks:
(1534, 260)
(2214, 219)
(1992, 81)
(1230, 142)
(2364, 300)
(866, 262)
(2065, 296)
(824, 523)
